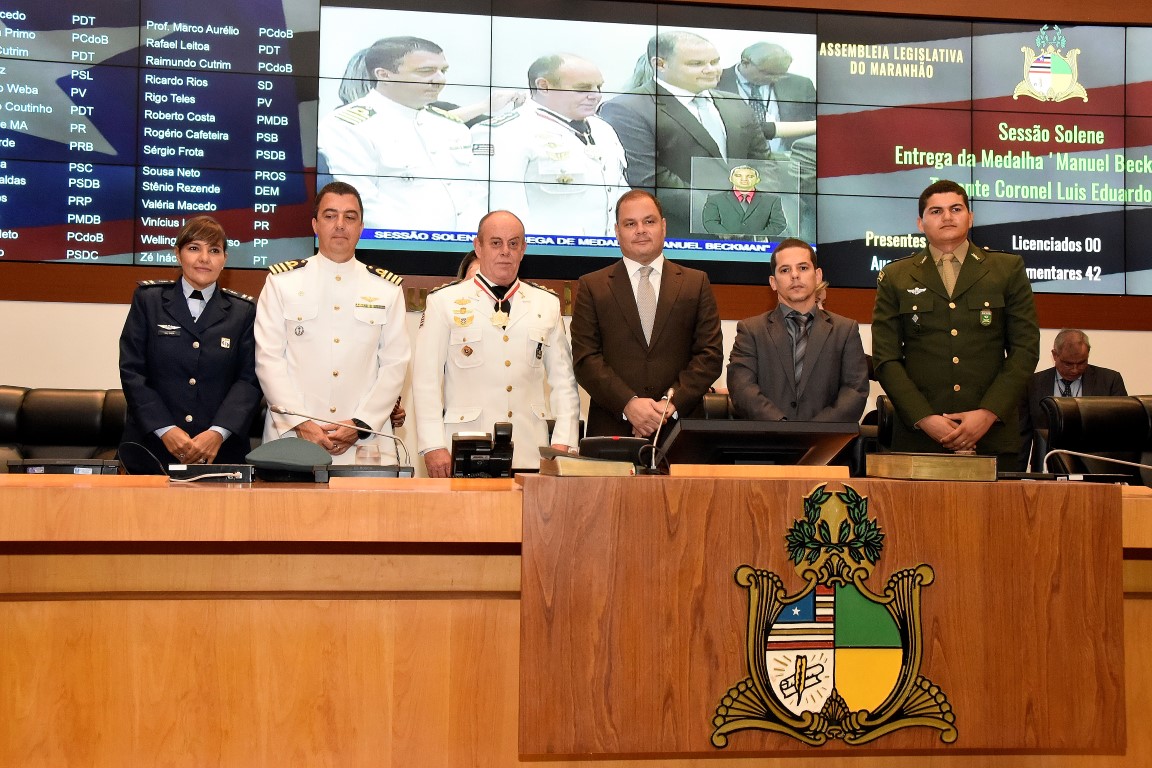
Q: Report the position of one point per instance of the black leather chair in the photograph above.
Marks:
(1112, 427)
(59, 423)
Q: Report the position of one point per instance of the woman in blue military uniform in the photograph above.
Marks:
(188, 358)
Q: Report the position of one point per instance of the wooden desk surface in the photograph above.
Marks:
(278, 625)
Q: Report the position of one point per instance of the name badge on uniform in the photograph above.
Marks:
(167, 330)
(225, 342)
(985, 317)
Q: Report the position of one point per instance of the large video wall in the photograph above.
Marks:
(118, 119)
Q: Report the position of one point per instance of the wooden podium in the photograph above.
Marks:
(634, 630)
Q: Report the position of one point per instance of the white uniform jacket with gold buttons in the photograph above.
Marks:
(331, 342)
(412, 167)
(544, 173)
(469, 374)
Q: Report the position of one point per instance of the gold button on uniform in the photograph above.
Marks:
(335, 373)
(955, 332)
(336, 340)
(956, 361)
(336, 308)
(509, 387)
(195, 345)
(509, 414)
(338, 278)
(188, 418)
(507, 363)
(951, 305)
(505, 338)
(956, 388)
(915, 308)
(192, 382)
(332, 409)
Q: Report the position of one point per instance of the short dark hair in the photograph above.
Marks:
(386, 53)
(792, 242)
(663, 45)
(203, 228)
(545, 67)
(942, 186)
(462, 270)
(336, 188)
(635, 193)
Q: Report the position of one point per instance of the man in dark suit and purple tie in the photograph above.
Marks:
(743, 211)
(642, 326)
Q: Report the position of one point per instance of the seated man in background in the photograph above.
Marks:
(1071, 376)
(797, 362)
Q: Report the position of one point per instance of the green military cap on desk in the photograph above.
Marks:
(288, 460)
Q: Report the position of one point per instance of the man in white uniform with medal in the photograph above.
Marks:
(553, 160)
(493, 348)
(331, 340)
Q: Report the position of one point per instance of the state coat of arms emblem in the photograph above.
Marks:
(1049, 73)
(834, 660)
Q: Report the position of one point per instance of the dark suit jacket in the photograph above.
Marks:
(172, 368)
(936, 354)
(761, 377)
(724, 215)
(614, 364)
(660, 138)
(795, 94)
(1094, 382)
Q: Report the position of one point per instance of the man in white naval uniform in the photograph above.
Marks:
(411, 162)
(331, 339)
(553, 161)
(484, 352)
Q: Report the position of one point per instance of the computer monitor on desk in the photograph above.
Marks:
(709, 441)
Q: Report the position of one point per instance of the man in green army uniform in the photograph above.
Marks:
(954, 337)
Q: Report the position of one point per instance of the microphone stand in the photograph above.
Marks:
(288, 412)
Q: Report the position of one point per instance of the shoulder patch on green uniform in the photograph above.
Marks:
(154, 283)
(287, 266)
(354, 114)
(391, 277)
(439, 287)
(541, 287)
(443, 113)
(498, 120)
(241, 296)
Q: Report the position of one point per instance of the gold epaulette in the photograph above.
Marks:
(499, 120)
(354, 114)
(541, 287)
(287, 266)
(437, 288)
(443, 113)
(391, 277)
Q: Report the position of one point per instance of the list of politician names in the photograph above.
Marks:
(119, 122)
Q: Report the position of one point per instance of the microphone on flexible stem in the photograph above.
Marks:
(288, 412)
(1106, 459)
(656, 437)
